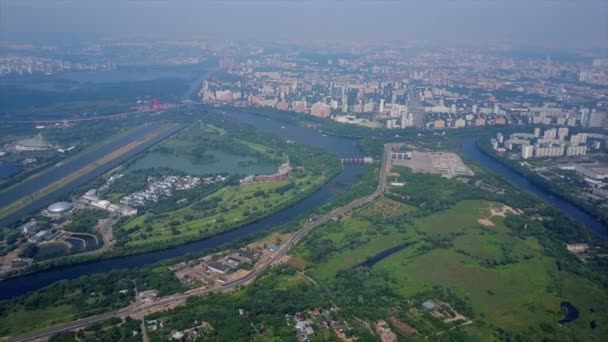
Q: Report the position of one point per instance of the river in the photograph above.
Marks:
(472, 152)
(8, 169)
(56, 173)
(341, 183)
(343, 147)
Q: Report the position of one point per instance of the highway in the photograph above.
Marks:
(260, 267)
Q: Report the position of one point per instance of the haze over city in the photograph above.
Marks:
(544, 23)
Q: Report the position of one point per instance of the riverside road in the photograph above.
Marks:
(259, 268)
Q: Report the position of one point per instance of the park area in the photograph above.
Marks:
(261, 176)
(227, 208)
(462, 254)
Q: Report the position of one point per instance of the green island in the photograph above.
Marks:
(228, 204)
(469, 258)
(232, 173)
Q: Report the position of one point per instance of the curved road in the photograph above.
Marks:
(259, 268)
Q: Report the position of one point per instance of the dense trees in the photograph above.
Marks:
(84, 220)
(97, 293)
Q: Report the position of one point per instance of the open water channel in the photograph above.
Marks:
(343, 147)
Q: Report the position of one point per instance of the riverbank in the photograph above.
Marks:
(215, 209)
(110, 254)
(79, 173)
(341, 146)
(542, 183)
(347, 177)
(453, 260)
(472, 152)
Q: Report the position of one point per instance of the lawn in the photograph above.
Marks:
(236, 205)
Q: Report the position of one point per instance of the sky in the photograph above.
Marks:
(554, 23)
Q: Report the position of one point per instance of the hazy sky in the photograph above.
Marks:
(533, 22)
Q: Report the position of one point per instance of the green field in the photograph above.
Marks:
(505, 271)
(21, 321)
(508, 281)
(232, 206)
(225, 206)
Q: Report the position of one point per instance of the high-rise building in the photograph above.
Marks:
(585, 116)
(576, 150)
(527, 151)
(550, 133)
(549, 151)
(320, 109)
(578, 139)
(500, 121)
(562, 133)
(500, 138)
(407, 120)
(459, 123)
(537, 132)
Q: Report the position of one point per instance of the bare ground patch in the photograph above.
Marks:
(498, 212)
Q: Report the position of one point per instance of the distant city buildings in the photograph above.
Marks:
(398, 92)
(28, 65)
(554, 142)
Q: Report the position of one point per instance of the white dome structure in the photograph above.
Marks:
(59, 207)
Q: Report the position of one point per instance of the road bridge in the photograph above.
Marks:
(364, 160)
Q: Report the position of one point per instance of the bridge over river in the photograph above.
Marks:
(357, 160)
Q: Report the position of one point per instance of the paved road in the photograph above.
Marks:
(259, 268)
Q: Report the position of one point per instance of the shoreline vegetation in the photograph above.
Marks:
(519, 264)
(317, 168)
(485, 147)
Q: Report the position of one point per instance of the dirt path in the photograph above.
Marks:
(144, 332)
(104, 227)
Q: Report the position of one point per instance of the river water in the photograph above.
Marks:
(472, 152)
(56, 173)
(343, 147)
(8, 169)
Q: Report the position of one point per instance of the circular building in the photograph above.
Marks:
(59, 207)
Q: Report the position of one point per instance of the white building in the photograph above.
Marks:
(527, 151)
(562, 133)
(549, 151)
(576, 150)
